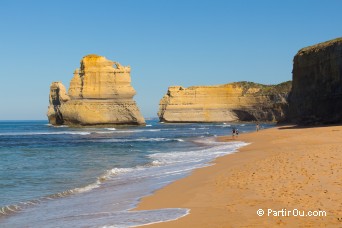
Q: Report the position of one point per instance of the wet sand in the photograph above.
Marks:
(283, 169)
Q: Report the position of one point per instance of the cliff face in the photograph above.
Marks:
(241, 101)
(316, 95)
(100, 93)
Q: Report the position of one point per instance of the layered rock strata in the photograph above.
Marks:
(100, 93)
(316, 95)
(241, 101)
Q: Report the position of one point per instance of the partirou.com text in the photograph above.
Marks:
(292, 212)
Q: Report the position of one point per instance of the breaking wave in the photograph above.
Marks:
(46, 133)
(143, 140)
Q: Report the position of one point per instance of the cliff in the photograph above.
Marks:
(240, 101)
(100, 93)
(316, 95)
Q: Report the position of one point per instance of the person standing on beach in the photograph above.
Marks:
(257, 127)
(233, 132)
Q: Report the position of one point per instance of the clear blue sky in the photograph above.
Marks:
(165, 43)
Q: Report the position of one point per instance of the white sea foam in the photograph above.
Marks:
(102, 132)
(57, 126)
(110, 130)
(87, 188)
(141, 140)
(184, 210)
(137, 130)
(216, 149)
(115, 171)
(47, 133)
(148, 125)
(156, 163)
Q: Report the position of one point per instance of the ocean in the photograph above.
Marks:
(93, 177)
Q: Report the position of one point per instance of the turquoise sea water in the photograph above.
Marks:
(92, 177)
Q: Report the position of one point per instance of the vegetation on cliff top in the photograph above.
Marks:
(284, 87)
(320, 46)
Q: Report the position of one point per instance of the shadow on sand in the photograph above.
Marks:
(289, 126)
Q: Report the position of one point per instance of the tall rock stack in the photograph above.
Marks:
(100, 93)
(316, 95)
(240, 101)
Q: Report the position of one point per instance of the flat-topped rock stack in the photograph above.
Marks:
(100, 93)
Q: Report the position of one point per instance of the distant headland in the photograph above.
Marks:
(239, 101)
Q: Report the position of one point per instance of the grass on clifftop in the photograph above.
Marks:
(319, 46)
(284, 87)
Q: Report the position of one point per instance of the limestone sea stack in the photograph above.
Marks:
(100, 93)
(240, 101)
(316, 96)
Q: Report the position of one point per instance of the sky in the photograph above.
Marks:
(178, 42)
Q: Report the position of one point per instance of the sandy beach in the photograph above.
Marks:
(284, 171)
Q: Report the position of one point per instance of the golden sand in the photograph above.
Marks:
(283, 169)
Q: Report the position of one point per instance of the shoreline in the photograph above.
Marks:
(283, 168)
